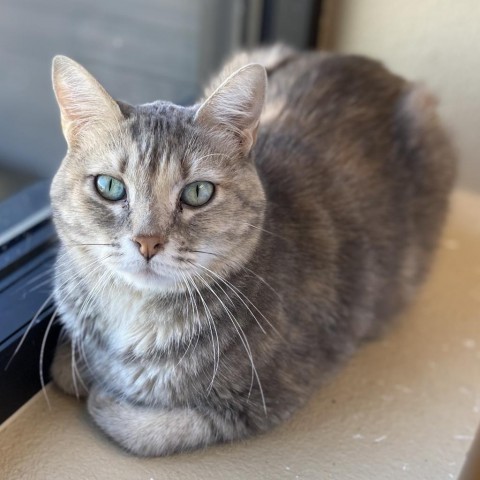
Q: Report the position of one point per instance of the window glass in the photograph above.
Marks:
(140, 51)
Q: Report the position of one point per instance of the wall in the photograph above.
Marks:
(436, 41)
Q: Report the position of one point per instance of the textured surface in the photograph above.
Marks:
(407, 406)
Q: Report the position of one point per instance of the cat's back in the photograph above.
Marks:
(329, 87)
(338, 106)
(347, 121)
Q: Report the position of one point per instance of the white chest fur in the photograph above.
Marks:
(135, 328)
(139, 324)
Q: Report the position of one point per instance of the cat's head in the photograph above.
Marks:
(157, 194)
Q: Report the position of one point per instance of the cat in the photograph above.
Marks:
(219, 262)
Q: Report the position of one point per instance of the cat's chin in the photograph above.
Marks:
(147, 279)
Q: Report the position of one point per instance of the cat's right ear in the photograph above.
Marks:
(87, 110)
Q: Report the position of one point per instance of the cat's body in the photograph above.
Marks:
(298, 265)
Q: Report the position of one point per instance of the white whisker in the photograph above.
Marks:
(42, 352)
(243, 339)
(228, 260)
(237, 293)
(30, 325)
(209, 317)
(264, 230)
(194, 307)
(232, 288)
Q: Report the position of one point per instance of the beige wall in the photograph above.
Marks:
(436, 41)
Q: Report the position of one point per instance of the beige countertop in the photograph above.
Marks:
(406, 407)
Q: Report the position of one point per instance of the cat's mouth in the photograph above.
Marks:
(149, 272)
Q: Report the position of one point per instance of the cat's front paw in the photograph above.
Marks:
(119, 420)
(147, 431)
(65, 372)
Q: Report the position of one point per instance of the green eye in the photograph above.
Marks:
(197, 194)
(110, 188)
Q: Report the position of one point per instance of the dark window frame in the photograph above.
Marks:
(28, 246)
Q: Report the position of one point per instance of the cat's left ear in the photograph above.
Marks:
(88, 112)
(234, 108)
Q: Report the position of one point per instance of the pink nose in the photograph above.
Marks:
(149, 245)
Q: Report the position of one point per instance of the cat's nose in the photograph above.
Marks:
(149, 245)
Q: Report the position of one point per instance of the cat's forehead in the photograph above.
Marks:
(160, 126)
(162, 146)
(160, 139)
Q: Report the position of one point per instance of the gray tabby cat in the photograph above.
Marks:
(218, 262)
